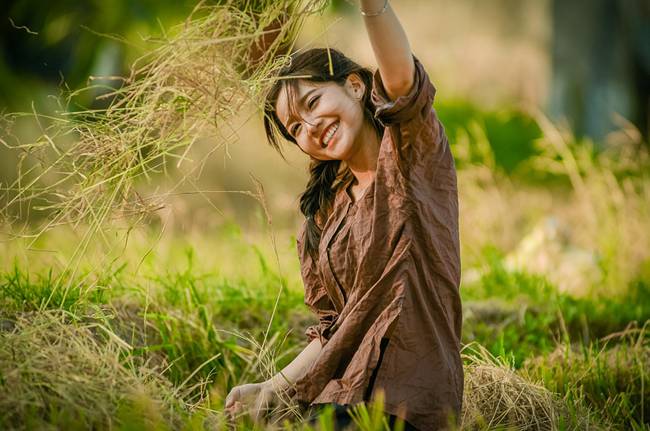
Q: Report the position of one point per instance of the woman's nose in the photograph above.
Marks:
(314, 127)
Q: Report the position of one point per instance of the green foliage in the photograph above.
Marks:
(69, 42)
(526, 315)
(510, 133)
(21, 291)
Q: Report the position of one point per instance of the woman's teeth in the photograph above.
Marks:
(330, 133)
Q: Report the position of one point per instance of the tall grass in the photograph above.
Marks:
(71, 372)
(575, 214)
(610, 376)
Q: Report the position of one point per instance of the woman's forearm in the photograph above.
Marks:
(297, 368)
(390, 46)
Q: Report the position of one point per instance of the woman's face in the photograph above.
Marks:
(332, 117)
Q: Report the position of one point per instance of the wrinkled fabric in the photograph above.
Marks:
(388, 265)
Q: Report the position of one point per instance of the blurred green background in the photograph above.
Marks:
(492, 63)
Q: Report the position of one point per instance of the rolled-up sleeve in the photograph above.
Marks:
(417, 134)
(316, 297)
(414, 106)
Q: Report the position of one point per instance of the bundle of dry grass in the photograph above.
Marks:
(496, 397)
(195, 79)
(55, 369)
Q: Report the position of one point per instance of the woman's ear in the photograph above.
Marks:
(355, 86)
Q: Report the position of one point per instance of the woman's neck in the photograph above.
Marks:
(363, 163)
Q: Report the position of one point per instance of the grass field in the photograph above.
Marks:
(151, 333)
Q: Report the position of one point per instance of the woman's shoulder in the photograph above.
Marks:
(413, 105)
(415, 143)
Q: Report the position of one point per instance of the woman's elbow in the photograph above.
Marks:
(401, 85)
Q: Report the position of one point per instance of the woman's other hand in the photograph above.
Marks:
(258, 398)
(254, 398)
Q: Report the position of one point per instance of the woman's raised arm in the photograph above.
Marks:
(390, 45)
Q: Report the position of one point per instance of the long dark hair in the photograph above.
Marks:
(317, 65)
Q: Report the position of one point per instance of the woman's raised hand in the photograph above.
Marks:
(254, 398)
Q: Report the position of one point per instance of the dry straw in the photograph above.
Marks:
(222, 58)
(58, 365)
(496, 397)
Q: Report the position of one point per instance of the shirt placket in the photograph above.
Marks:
(332, 285)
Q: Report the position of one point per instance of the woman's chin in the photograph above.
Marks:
(337, 149)
(335, 154)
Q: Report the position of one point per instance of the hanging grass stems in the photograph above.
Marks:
(219, 60)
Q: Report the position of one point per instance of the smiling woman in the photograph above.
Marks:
(379, 248)
(327, 107)
(333, 103)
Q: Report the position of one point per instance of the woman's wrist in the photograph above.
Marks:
(277, 382)
(374, 12)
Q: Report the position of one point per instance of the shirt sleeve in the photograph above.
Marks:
(420, 145)
(316, 297)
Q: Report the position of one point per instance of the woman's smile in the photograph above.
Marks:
(328, 134)
(326, 120)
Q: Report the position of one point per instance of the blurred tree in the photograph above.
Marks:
(601, 64)
(46, 44)
(43, 44)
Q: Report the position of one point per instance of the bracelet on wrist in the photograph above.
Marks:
(383, 9)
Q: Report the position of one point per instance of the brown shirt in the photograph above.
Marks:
(391, 261)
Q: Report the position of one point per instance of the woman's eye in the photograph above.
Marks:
(313, 101)
(294, 129)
